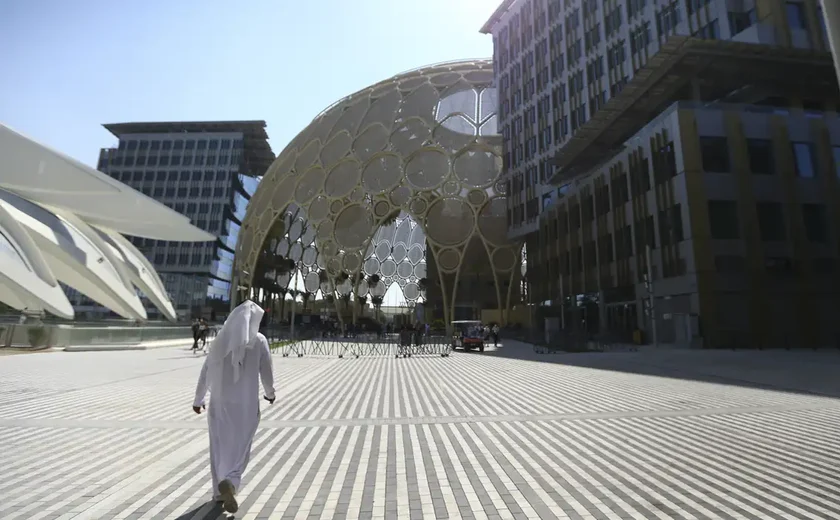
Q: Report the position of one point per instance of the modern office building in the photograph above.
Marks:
(688, 141)
(206, 171)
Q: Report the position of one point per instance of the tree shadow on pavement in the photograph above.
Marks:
(800, 371)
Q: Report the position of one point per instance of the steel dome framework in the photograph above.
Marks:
(406, 167)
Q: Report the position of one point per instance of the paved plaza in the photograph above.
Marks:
(504, 434)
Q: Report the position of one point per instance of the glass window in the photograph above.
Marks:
(158, 192)
(803, 154)
(149, 176)
(194, 190)
(176, 160)
(179, 207)
(129, 161)
(155, 145)
(170, 191)
(137, 176)
(190, 145)
(814, 217)
(226, 144)
(141, 160)
(207, 191)
(179, 145)
(167, 145)
(761, 156)
(219, 192)
(214, 144)
(202, 145)
(209, 176)
(160, 176)
(153, 160)
(196, 176)
(184, 177)
(771, 221)
(132, 145)
(164, 160)
(723, 219)
(187, 160)
(191, 208)
(795, 15)
(715, 154)
(203, 208)
(144, 145)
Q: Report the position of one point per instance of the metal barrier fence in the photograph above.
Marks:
(365, 345)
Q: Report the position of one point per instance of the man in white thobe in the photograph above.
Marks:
(239, 357)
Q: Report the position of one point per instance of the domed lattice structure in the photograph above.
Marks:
(384, 177)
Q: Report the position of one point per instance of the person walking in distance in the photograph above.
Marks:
(495, 334)
(239, 358)
(195, 331)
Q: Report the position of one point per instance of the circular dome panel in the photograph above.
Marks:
(449, 221)
(477, 167)
(309, 185)
(342, 179)
(382, 173)
(353, 226)
(448, 259)
(427, 169)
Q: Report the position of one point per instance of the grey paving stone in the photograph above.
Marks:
(695, 435)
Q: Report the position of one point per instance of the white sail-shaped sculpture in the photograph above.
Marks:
(62, 221)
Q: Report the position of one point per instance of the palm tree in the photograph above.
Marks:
(377, 304)
(390, 219)
(373, 280)
(362, 302)
(423, 284)
(281, 292)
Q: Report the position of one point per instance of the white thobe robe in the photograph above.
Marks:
(234, 410)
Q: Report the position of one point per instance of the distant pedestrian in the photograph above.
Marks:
(196, 326)
(496, 334)
(239, 358)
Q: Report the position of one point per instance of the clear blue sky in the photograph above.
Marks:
(66, 66)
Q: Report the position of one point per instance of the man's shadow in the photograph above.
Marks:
(208, 511)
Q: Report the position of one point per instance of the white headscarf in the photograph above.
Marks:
(238, 334)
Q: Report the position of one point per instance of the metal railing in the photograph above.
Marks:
(359, 345)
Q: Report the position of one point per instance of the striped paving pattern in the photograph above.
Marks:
(112, 435)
